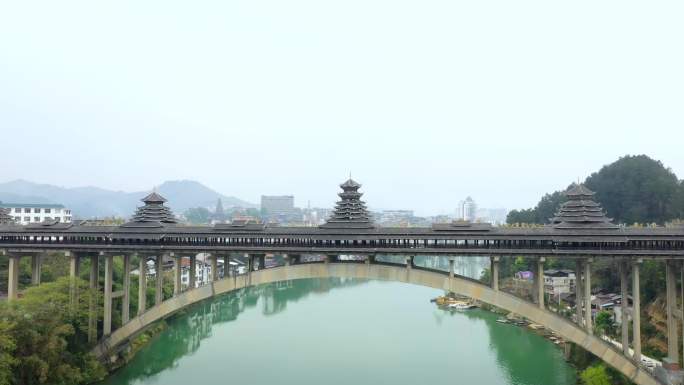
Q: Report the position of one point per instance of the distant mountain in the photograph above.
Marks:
(88, 202)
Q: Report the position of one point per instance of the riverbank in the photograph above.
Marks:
(584, 363)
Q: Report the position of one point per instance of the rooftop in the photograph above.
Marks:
(581, 211)
(31, 205)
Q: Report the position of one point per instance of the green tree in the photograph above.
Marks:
(47, 336)
(7, 346)
(604, 323)
(595, 375)
(198, 215)
(636, 189)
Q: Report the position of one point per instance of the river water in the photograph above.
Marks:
(335, 331)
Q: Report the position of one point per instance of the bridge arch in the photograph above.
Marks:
(399, 273)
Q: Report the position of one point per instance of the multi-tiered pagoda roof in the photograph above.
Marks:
(581, 211)
(5, 217)
(350, 212)
(153, 213)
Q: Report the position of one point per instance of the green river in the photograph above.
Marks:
(335, 331)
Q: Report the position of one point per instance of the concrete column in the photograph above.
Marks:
(636, 312)
(36, 267)
(74, 270)
(226, 266)
(192, 277)
(494, 273)
(13, 278)
(286, 257)
(107, 319)
(159, 269)
(214, 268)
(177, 274)
(540, 282)
(587, 296)
(74, 265)
(92, 318)
(671, 294)
(142, 284)
(409, 262)
(126, 299)
(578, 293)
(451, 268)
(262, 261)
(624, 307)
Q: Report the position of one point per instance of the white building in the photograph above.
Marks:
(467, 210)
(558, 282)
(25, 213)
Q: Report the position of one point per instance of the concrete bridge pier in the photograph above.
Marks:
(624, 282)
(226, 266)
(214, 267)
(36, 268)
(107, 317)
(142, 284)
(74, 271)
(672, 360)
(92, 316)
(579, 315)
(13, 277)
(587, 296)
(494, 273)
(192, 274)
(636, 311)
(159, 278)
(126, 295)
(540, 282)
(262, 261)
(177, 275)
(451, 270)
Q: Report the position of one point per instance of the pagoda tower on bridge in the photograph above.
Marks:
(581, 211)
(350, 212)
(153, 213)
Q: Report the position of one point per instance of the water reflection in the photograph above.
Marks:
(396, 317)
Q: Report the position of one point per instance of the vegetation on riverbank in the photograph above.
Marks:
(44, 337)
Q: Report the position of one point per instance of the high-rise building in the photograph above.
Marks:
(467, 210)
(275, 205)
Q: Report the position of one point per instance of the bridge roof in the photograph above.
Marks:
(438, 231)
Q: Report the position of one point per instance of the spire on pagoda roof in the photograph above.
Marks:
(153, 213)
(154, 197)
(350, 212)
(581, 211)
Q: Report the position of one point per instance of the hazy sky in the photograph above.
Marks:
(425, 102)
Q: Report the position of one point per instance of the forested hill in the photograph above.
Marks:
(88, 202)
(634, 189)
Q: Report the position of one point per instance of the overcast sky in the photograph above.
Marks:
(424, 102)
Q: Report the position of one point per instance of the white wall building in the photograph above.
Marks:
(559, 281)
(25, 213)
(467, 210)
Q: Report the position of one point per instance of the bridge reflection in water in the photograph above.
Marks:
(294, 319)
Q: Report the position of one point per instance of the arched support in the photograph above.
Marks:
(421, 277)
